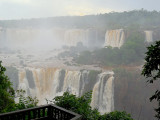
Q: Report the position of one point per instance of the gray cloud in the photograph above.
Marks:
(17, 9)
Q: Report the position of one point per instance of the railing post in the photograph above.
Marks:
(49, 112)
(43, 114)
(29, 115)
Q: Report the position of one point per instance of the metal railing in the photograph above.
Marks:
(46, 112)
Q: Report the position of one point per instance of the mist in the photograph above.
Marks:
(99, 52)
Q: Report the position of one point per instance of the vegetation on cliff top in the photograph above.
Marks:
(130, 53)
(114, 20)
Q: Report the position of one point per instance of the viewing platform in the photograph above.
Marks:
(45, 112)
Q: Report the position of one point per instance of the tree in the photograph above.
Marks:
(116, 115)
(25, 102)
(7, 95)
(6, 92)
(151, 70)
(80, 105)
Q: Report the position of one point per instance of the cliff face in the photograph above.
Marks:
(132, 94)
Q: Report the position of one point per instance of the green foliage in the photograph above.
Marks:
(25, 102)
(116, 115)
(7, 95)
(133, 49)
(151, 70)
(85, 57)
(112, 20)
(80, 105)
(6, 92)
(131, 52)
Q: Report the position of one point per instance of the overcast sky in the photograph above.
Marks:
(19, 9)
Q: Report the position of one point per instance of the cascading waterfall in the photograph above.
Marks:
(49, 82)
(103, 93)
(2, 37)
(46, 83)
(114, 38)
(72, 37)
(16, 37)
(24, 83)
(148, 35)
(33, 37)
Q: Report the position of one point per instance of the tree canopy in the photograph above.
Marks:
(81, 105)
(7, 95)
(151, 70)
(132, 52)
(6, 92)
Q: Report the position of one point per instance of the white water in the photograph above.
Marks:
(44, 38)
(148, 35)
(103, 93)
(72, 37)
(114, 38)
(33, 38)
(50, 82)
(46, 83)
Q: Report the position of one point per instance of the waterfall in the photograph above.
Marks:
(23, 83)
(114, 38)
(92, 38)
(148, 35)
(46, 83)
(50, 82)
(73, 36)
(38, 38)
(72, 82)
(2, 37)
(35, 38)
(103, 93)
